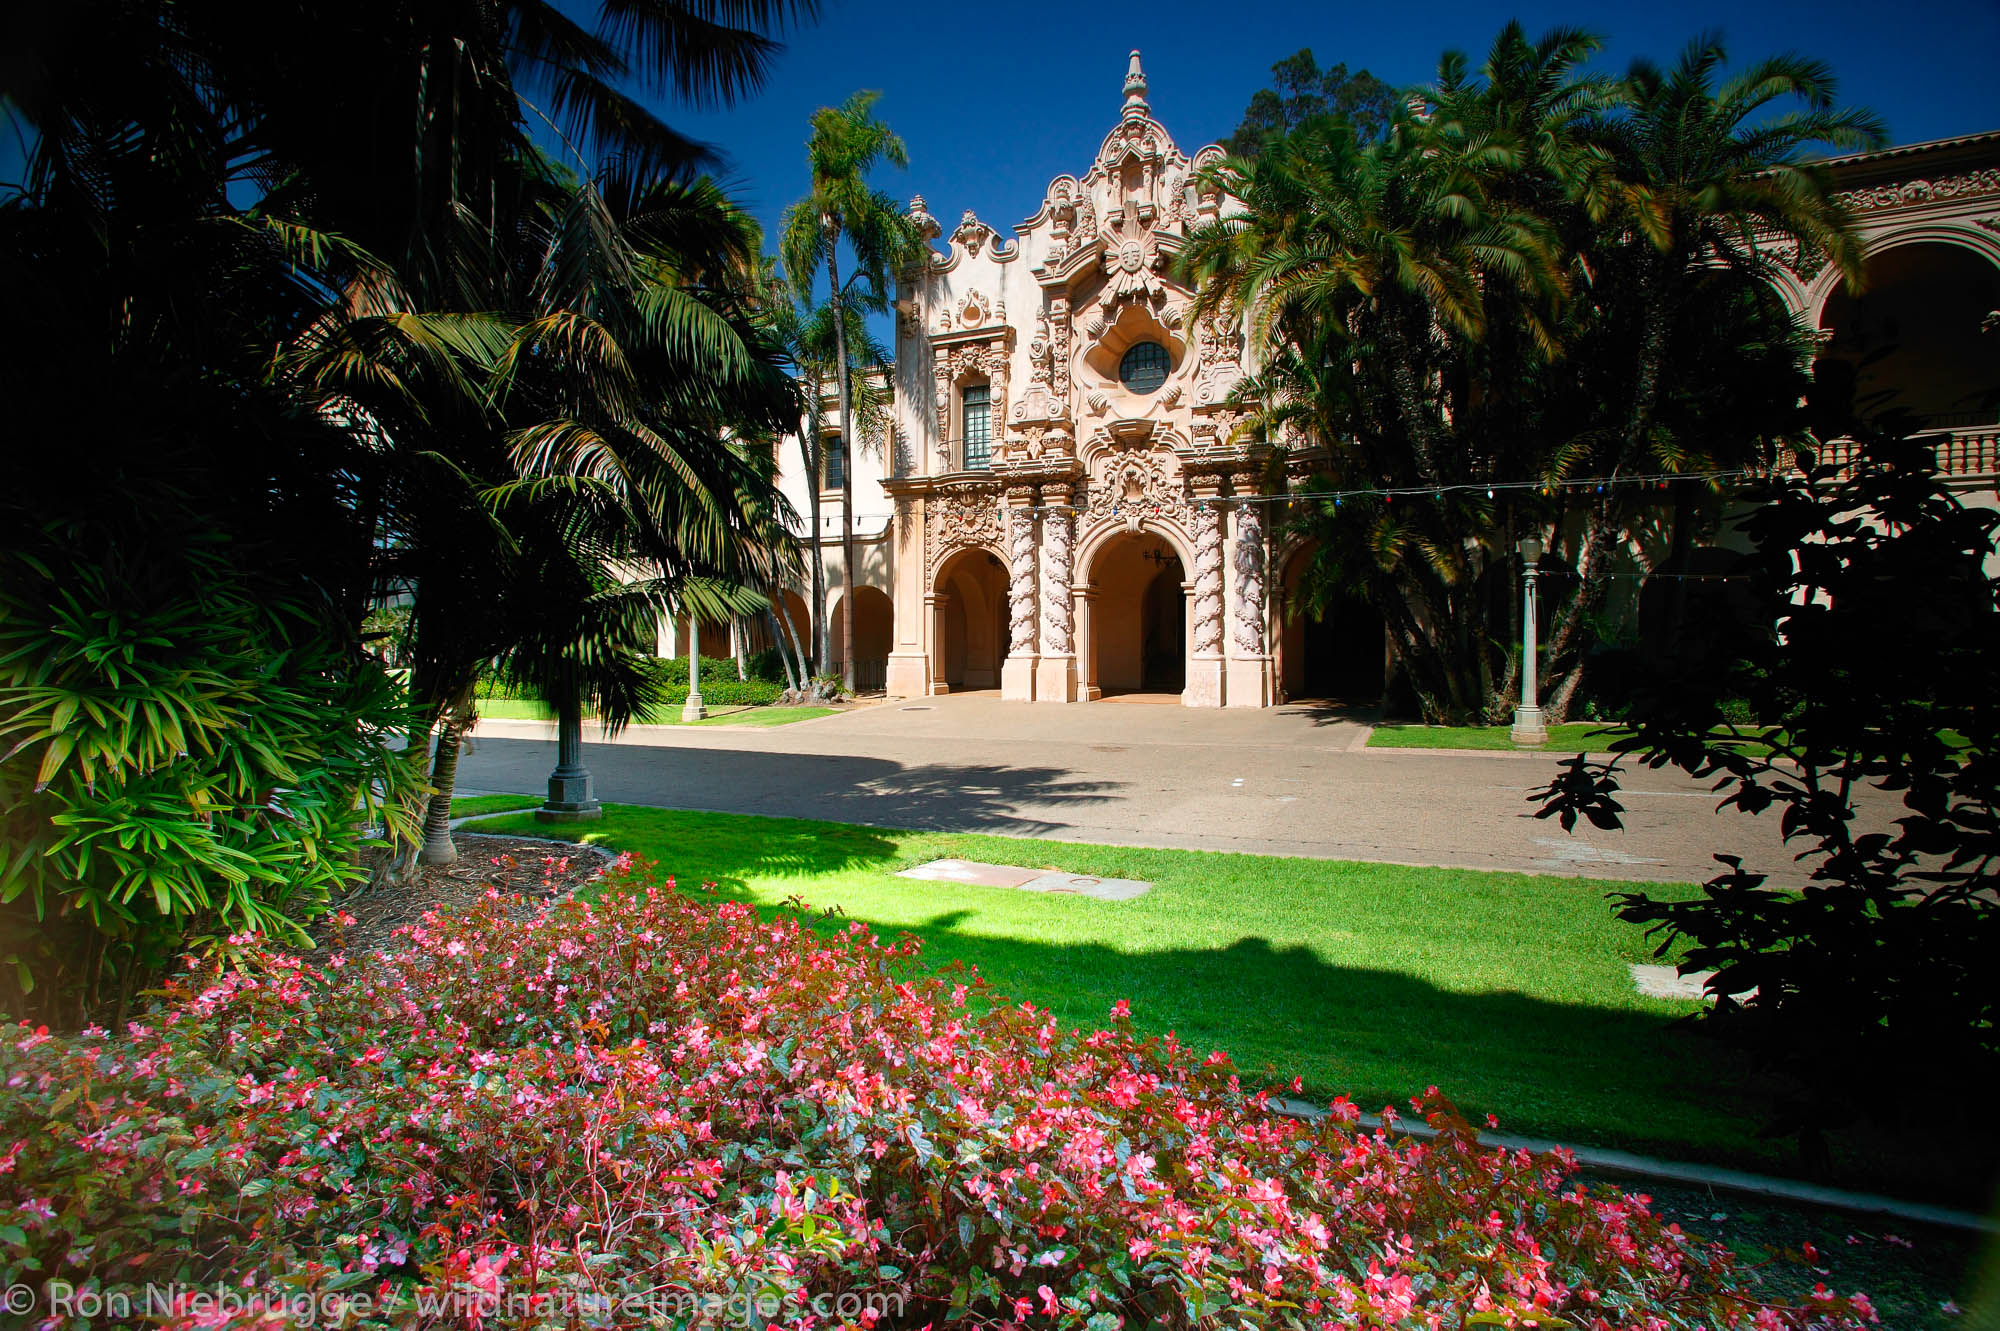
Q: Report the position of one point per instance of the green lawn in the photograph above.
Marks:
(469, 806)
(1509, 991)
(760, 714)
(1581, 737)
(1591, 737)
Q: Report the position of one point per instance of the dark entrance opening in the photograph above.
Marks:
(1165, 619)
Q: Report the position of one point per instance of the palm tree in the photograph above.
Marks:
(847, 143)
(1702, 173)
(1367, 271)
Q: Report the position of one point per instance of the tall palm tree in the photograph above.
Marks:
(1703, 172)
(847, 143)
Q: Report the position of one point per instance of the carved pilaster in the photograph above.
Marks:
(1206, 521)
(941, 373)
(1057, 532)
(1021, 567)
(1248, 633)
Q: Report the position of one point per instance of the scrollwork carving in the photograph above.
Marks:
(1021, 570)
(1058, 524)
(959, 519)
(1248, 634)
(1206, 522)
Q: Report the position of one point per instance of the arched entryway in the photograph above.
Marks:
(874, 631)
(969, 629)
(1138, 618)
(1918, 340)
(1337, 652)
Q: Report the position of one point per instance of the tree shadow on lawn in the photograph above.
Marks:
(940, 796)
(1575, 1072)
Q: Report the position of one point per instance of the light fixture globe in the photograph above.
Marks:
(1531, 549)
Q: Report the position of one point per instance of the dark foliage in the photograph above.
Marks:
(1303, 90)
(1876, 681)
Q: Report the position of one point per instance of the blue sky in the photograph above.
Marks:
(994, 101)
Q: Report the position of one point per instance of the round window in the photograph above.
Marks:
(1144, 367)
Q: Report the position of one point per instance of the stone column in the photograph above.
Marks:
(1087, 689)
(1017, 675)
(934, 610)
(1205, 662)
(1249, 658)
(1055, 672)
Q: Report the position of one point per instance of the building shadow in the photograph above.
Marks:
(1333, 711)
(942, 796)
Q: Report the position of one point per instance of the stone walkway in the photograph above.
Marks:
(1291, 780)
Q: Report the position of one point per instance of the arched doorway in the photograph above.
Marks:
(1915, 341)
(1337, 653)
(874, 631)
(1138, 617)
(970, 632)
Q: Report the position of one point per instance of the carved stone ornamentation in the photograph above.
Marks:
(1248, 634)
(1206, 522)
(1021, 568)
(1219, 345)
(951, 364)
(973, 234)
(1136, 482)
(1909, 193)
(1058, 522)
(961, 518)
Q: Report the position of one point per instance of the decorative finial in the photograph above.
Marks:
(1135, 86)
(927, 226)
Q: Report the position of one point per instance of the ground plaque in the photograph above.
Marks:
(976, 874)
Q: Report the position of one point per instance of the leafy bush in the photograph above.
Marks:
(655, 1093)
(719, 684)
(187, 755)
(1877, 676)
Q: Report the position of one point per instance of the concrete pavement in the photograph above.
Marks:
(1282, 781)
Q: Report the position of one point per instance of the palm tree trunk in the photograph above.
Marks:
(846, 465)
(815, 476)
(784, 652)
(438, 847)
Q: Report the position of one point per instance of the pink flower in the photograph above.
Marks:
(1049, 1305)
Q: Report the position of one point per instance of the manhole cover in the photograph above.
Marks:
(913, 709)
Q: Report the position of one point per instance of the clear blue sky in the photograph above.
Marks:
(995, 100)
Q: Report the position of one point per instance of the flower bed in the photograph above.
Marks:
(656, 1104)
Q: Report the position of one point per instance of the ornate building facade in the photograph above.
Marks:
(1063, 508)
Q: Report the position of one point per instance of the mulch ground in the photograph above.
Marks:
(528, 874)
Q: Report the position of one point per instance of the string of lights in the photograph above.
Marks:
(1491, 489)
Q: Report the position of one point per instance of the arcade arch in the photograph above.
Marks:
(970, 642)
(1137, 639)
(1922, 338)
(874, 634)
(1339, 651)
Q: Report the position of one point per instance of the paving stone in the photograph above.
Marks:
(1665, 982)
(976, 874)
(973, 872)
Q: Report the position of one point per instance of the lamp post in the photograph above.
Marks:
(1528, 729)
(571, 799)
(693, 710)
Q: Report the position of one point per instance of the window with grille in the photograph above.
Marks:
(977, 400)
(833, 462)
(1144, 367)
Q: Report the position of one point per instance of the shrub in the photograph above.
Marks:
(1874, 663)
(655, 1093)
(186, 753)
(719, 684)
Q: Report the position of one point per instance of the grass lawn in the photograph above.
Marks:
(1509, 991)
(1588, 737)
(759, 714)
(1580, 737)
(467, 806)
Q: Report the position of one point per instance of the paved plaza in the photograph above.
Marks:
(1290, 780)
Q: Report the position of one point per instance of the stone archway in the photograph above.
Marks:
(1137, 639)
(874, 634)
(1920, 339)
(969, 637)
(1338, 652)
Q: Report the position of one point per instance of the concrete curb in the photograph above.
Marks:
(1627, 1164)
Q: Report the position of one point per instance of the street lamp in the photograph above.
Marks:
(1528, 728)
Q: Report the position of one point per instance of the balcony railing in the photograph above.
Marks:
(1962, 450)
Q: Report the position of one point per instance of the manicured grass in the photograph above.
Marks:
(761, 715)
(749, 714)
(1591, 737)
(1508, 991)
(1580, 737)
(468, 806)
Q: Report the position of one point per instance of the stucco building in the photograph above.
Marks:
(1060, 509)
